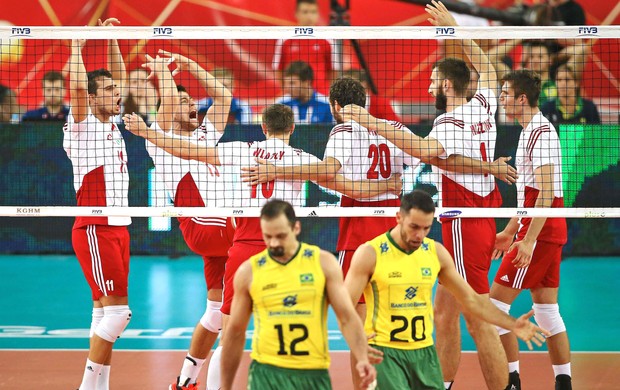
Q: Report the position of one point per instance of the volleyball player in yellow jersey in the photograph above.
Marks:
(396, 272)
(288, 287)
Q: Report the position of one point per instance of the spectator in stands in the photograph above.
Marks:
(537, 57)
(308, 105)
(54, 108)
(378, 106)
(141, 96)
(9, 109)
(319, 53)
(240, 110)
(569, 106)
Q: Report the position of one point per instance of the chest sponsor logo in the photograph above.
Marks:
(395, 274)
(290, 301)
(270, 286)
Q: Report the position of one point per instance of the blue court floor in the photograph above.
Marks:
(45, 303)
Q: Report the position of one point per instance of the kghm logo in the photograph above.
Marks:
(20, 31)
(411, 292)
(162, 31)
(27, 210)
(307, 31)
(290, 301)
(588, 31)
(444, 31)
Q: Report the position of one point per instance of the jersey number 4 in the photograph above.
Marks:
(293, 347)
(380, 162)
(266, 190)
(417, 325)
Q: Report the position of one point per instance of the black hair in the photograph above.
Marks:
(93, 76)
(418, 200)
(525, 82)
(276, 207)
(347, 90)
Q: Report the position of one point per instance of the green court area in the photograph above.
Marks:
(45, 303)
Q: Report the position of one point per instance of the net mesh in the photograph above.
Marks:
(579, 67)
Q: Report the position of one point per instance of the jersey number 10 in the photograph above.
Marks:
(266, 190)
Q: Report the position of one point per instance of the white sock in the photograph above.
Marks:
(513, 366)
(103, 382)
(91, 374)
(213, 374)
(191, 369)
(448, 385)
(562, 369)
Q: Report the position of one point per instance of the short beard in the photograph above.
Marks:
(441, 101)
(276, 252)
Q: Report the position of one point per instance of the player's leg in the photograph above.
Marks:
(103, 381)
(502, 297)
(424, 369)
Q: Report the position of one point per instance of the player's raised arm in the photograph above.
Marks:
(440, 16)
(482, 307)
(217, 114)
(115, 63)
(175, 146)
(167, 88)
(234, 337)
(78, 82)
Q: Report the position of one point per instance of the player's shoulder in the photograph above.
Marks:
(454, 119)
(346, 127)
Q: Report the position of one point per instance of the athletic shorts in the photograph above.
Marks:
(238, 253)
(409, 369)
(470, 241)
(267, 377)
(344, 258)
(103, 254)
(543, 271)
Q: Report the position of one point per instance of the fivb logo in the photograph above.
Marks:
(162, 31)
(20, 31)
(444, 31)
(307, 31)
(588, 31)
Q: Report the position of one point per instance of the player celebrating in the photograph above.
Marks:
(396, 272)
(194, 184)
(97, 152)
(533, 260)
(288, 287)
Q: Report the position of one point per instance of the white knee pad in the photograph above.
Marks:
(548, 317)
(506, 309)
(96, 319)
(212, 319)
(115, 320)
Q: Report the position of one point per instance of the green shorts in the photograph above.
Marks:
(268, 377)
(409, 369)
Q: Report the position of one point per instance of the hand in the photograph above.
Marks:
(395, 184)
(157, 64)
(353, 112)
(374, 355)
(504, 171)
(503, 241)
(524, 253)
(108, 22)
(440, 14)
(182, 62)
(261, 173)
(528, 331)
(78, 42)
(135, 124)
(367, 374)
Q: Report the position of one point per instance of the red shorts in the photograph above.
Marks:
(543, 271)
(211, 238)
(238, 253)
(103, 253)
(470, 241)
(344, 258)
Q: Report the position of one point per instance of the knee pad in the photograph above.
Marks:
(97, 317)
(115, 320)
(212, 319)
(506, 309)
(548, 317)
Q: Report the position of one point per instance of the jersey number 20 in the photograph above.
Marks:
(417, 325)
(380, 158)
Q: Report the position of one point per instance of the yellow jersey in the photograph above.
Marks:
(290, 310)
(399, 294)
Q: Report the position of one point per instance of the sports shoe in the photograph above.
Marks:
(563, 382)
(514, 381)
(185, 386)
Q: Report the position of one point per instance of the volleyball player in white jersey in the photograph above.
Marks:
(97, 152)
(194, 184)
(278, 125)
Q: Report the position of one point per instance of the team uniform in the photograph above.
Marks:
(315, 110)
(364, 155)
(538, 146)
(319, 53)
(195, 184)
(248, 238)
(400, 312)
(290, 344)
(469, 131)
(100, 178)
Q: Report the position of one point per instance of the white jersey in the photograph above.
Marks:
(468, 131)
(99, 158)
(365, 155)
(275, 151)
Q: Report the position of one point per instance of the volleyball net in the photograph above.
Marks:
(259, 66)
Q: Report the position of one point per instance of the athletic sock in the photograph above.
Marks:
(213, 375)
(562, 369)
(103, 382)
(513, 366)
(91, 374)
(191, 369)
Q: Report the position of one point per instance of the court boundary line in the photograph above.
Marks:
(247, 350)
